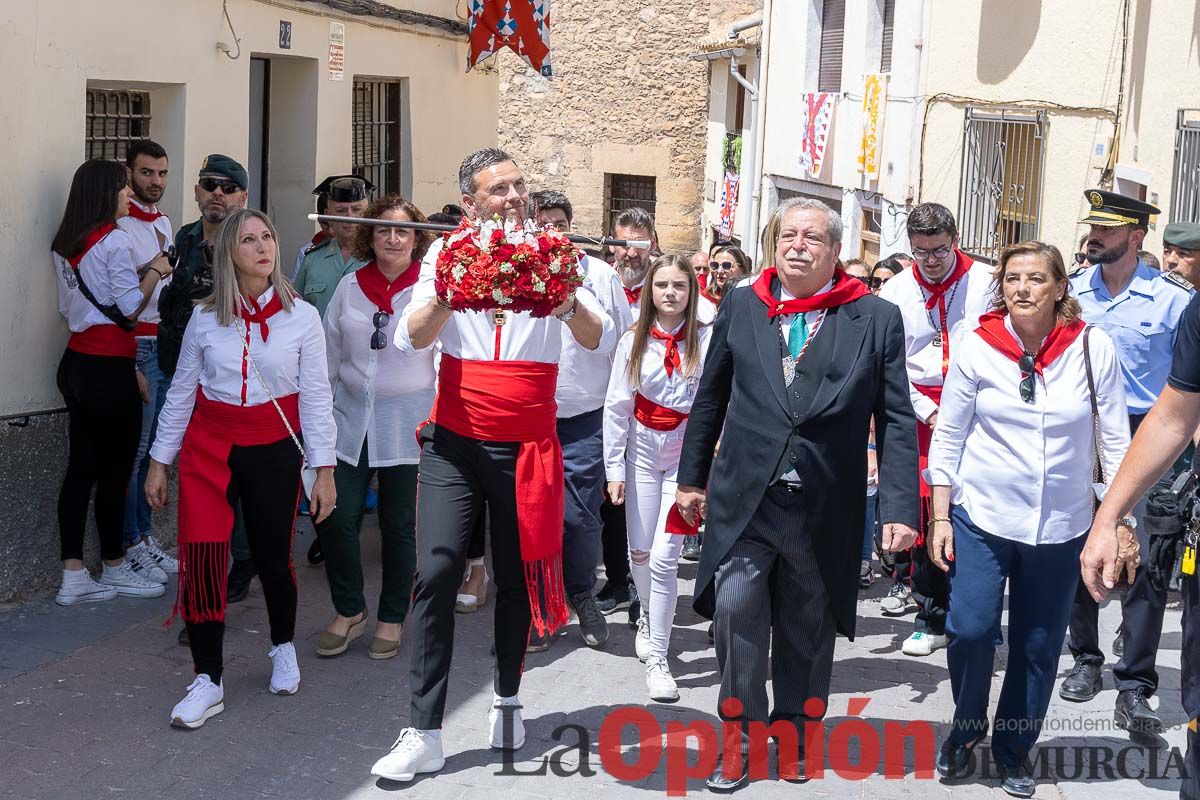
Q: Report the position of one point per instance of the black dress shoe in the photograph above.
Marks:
(1017, 781)
(315, 556)
(1134, 714)
(538, 642)
(1083, 683)
(240, 575)
(720, 782)
(953, 760)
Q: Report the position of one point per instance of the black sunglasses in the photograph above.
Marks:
(875, 283)
(212, 184)
(866, 281)
(1080, 258)
(722, 266)
(380, 321)
(1027, 382)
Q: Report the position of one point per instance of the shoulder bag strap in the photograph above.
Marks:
(113, 313)
(270, 396)
(1098, 469)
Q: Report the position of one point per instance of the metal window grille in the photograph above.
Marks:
(889, 23)
(1185, 177)
(114, 119)
(1000, 197)
(629, 191)
(833, 27)
(375, 130)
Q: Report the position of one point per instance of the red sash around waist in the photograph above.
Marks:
(246, 426)
(513, 401)
(104, 339)
(146, 329)
(654, 416)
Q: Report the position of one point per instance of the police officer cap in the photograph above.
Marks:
(1109, 210)
(219, 166)
(1185, 235)
(344, 188)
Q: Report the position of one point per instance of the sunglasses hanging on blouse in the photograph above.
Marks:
(379, 338)
(1027, 380)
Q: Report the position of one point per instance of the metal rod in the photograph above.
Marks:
(440, 227)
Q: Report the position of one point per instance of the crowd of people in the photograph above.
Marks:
(966, 418)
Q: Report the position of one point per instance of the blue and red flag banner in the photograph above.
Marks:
(523, 26)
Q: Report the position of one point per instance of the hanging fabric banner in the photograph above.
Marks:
(817, 119)
(523, 26)
(870, 150)
(729, 201)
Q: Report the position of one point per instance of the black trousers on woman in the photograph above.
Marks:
(265, 479)
(104, 410)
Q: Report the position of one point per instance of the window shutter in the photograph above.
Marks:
(833, 26)
(889, 18)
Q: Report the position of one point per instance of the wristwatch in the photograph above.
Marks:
(569, 314)
(1129, 522)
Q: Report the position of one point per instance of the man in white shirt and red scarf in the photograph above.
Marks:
(799, 363)
(941, 299)
(490, 438)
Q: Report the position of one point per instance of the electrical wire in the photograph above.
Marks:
(237, 42)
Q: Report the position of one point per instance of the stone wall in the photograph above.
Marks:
(625, 99)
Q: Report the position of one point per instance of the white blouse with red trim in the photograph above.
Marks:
(147, 240)
(108, 270)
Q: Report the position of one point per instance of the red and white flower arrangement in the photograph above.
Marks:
(486, 265)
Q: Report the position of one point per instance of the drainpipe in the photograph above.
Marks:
(749, 166)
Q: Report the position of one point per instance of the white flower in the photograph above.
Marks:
(507, 267)
(499, 297)
(458, 272)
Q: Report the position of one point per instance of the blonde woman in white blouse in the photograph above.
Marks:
(380, 396)
(1011, 467)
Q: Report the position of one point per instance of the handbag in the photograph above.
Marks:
(308, 475)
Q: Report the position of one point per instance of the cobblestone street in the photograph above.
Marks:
(85, 695)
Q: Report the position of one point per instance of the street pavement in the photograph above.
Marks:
(85, 695)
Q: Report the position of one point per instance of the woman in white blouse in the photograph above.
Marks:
(251, 378)
(655, 375)
(1011, 468)
(380, 396)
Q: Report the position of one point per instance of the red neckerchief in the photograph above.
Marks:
(90, 241)
(671, 360)
(251, 312)
(137, 212)
(376, 287)
(845, 289)
(633, 295)
(937, 297)
(993, 331)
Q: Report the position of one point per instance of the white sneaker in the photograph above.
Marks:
(898, 601)
(922, 644)
(660, 684)
(129, 583)
(285, 671)
(204, 700)
(78, 587)
(142, 563)
(166, 562)
(641, 643)
(504, 720)
(412, 753)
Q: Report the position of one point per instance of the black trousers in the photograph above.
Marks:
(1189, 660)
(265, 479)
(104, 411)
(614, 542)
(457, 475)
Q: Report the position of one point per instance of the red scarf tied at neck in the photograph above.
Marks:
(377, 288)
(633, 295)
(845, 289)
(937, 297)
(671, 360)
(251, 312)
(137, 212)
(993, 331)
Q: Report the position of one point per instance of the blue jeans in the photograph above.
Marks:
(582, 441)
(137, 510)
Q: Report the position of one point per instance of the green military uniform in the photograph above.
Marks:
(321, 271)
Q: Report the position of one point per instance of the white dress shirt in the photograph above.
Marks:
(148, 240)
(108, 270)
(291, 360)
(1023, 471)
(379, 395)
(626, 439)
(583, 373)
(473, 336)
(811, 318)
(965, 304)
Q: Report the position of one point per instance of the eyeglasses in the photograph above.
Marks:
(924, 255)
(1080, 258)
(380, 321)
(722, 266)
(212, 184)
(866, 281)
(1027, 382)
(875, 283)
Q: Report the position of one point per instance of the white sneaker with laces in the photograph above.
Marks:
(285, 671)
(641, 643)
(413, 752)
(504, 720)
(129, 583)
(923, 644)
(898, 601)
(142, 563)
(166, 562)
(204, 700)
(660, 684)
(78, 587)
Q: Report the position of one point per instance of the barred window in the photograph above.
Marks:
(833, 28)
(628, 191)
(1185, 177)
(113, 120)
(889, 25)
(375, 127)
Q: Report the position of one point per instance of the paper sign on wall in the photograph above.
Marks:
(870, 150)
(337, 51)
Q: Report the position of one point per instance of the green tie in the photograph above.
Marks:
(797, 335)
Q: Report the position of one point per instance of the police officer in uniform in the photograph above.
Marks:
(325, 264)
(1139, 308)
(1181, 250)
(1166, 432)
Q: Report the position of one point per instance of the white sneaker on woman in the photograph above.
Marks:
(660, 683)
(128, 583)
(166, 562)
(204, 700)
(413, 752)
(285, 671)
(641, 643)
(504, 720)
(923, 644)
(78, 587)
(142, 563)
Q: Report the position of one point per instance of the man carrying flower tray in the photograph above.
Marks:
(494, 294)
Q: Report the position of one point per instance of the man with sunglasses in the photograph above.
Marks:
(940, 299)
(328, 262)
(1139, 308)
